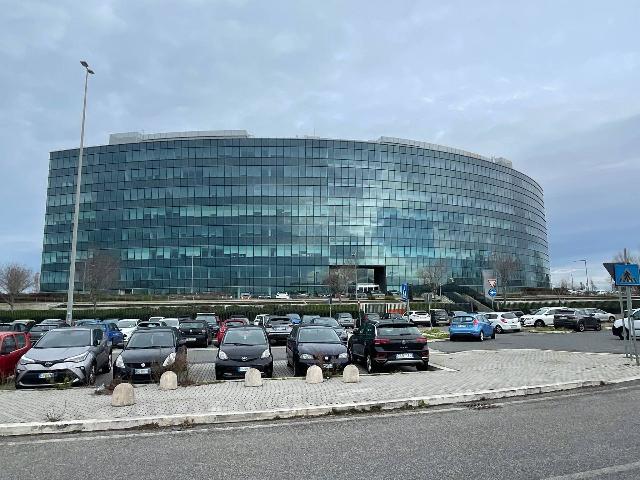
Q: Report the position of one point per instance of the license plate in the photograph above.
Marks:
(404, 355)
(327, 365)
(141, 371)
(191, 339)
(45, 375)
(243, 369)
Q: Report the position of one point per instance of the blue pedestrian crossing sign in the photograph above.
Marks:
(492, 292)
(404, 291)
(627, 275)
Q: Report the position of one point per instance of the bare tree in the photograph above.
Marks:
(102, 275)
(505, 266)
(564, 285)
(631, 258)
(36, 282)
(433, 276)
(338, 281)
(14, 280)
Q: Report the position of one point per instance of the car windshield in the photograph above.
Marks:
(42, 328)
(235, 323)
(419, 313)
(396, 330)
(171, 322)
(344, 315)
(192, 325)
(5, 327)
(127, 323)
(239, 336)
(326, 322)
(278, 321)
(541, 311)
(509, 315)
(151, 339)
(318, 335)
(65, 339)
(206, 318)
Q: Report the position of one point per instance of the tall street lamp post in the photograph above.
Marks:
(76, 211)
(586, 273)
(355, 256)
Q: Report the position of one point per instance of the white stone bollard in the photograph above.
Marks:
(351, 374)
(314, 374)
(169, 381)
(252, 378)
(123, 395)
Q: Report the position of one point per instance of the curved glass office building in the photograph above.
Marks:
(226, 212)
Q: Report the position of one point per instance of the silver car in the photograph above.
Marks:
(73, 356)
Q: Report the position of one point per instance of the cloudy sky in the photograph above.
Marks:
(552, 85)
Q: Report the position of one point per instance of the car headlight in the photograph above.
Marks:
(77, 358)
(306, 356)
(343, 355)
(119, 362)
(25, 360)
(222, 355)
(266, 354)
(171, 358)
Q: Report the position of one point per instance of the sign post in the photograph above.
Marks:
(404, 293)
(628, 275)
(492, 292)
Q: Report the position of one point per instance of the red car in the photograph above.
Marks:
(224, 326)
(12, 346)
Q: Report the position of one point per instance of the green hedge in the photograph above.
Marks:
(190, 311)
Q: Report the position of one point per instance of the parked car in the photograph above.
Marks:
(152, 324)
(371, 317)
(329, 322)
(468, 325)
(155, 319)
(420, 317)
(600, 314)
(306, 318)
(148, 353)
(541, 318)
(260, 319)
(576, 319)
(212, 323)
(58, 323)
(22, 325)
(195, 332)
(278, 328)
(113, 331)
(172, 322)
(13, 345)
(385, 343)
(346, 320)
(243, 348)
(294, 317)
(518, 313)
(621, 325)
(127, 326)
(73, 355)
(391, 316)
(315, 345)
(504, 321)
(37, 331)
(439, 316)
(283, 296)
(227, 324)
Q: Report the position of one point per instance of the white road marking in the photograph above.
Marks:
(259, 426)
(598, 472)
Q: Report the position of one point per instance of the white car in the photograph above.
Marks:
(541, 318)
(127, 326)
(600, 314)
(504, 321)
(618, 324)
(156, 319)
(420, 317)
(283, 296)
(260, 319)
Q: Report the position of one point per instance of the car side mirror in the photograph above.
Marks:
(356, 331)
(182, 341)
(96, 342)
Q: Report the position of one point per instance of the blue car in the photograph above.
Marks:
(471, 325)
(294, 317)
(114, 336)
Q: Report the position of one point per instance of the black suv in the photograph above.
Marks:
(195, 332)
(578, 320)
(385, 343)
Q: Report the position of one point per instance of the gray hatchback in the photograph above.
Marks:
(66, 355)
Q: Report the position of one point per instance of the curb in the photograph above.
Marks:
(182, 420)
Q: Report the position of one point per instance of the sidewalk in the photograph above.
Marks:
(469, 376)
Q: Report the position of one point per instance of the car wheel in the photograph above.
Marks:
(493, 335)
(297, 368)
(580, 327)
(371, 368)
(538, 323)
(350, 356)
(612, 319)
(422, 367)
(498, 329)
(452, 338)
(218, 374)
(481, 336)
(621, 336)
(91, 376)
(598, 327)
(269, 373)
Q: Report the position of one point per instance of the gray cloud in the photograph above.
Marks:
(549, 85)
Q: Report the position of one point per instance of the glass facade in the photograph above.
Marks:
(264, 215)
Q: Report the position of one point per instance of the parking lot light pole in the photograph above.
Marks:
(355, 256)
(76, 211)
(586, 272)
